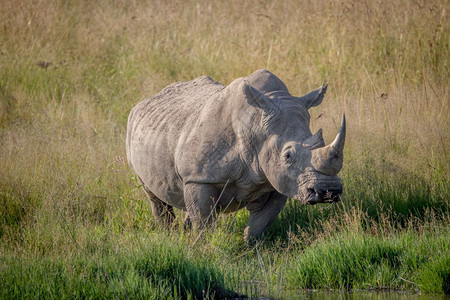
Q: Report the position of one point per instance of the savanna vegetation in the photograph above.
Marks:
(74, 221)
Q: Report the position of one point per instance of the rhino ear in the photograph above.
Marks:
(257, 98)
(314, 98)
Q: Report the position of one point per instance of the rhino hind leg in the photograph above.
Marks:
(262, 213)
(163, 212)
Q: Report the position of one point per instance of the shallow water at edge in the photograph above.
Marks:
(363, 296)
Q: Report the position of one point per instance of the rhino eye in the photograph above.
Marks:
(288, 155)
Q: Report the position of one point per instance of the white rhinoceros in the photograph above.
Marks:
(248, 142)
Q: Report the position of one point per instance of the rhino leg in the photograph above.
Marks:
(163, 212)
(262, 213)
(187, 224)
(199, 200)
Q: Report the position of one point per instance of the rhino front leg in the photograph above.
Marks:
(262, 213)
(187, 224)
(199, 200)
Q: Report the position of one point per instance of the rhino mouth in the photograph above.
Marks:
(314, 196)
(316, 188)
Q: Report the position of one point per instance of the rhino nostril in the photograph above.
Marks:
(312, 196)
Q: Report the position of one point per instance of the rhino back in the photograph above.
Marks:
(155, 127)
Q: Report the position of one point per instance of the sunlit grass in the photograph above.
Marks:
(71, 71)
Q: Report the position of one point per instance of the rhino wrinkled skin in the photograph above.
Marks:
(205, 148)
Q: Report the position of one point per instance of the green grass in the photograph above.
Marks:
(360, 261)
(73, 219)
(158, 270)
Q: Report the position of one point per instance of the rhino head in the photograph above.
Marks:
(295, 162)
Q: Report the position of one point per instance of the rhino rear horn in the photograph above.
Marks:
(314, 141)
(328, 159)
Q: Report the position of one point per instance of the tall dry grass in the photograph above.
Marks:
(70, 71)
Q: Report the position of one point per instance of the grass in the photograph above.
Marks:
(356, 260)
(160, 270)
(73, 219)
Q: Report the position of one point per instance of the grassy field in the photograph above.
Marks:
(73, 219)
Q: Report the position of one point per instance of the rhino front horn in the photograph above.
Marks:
(328, 159)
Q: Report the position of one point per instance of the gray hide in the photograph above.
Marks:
(252, 137)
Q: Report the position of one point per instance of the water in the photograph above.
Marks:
(364, 296)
